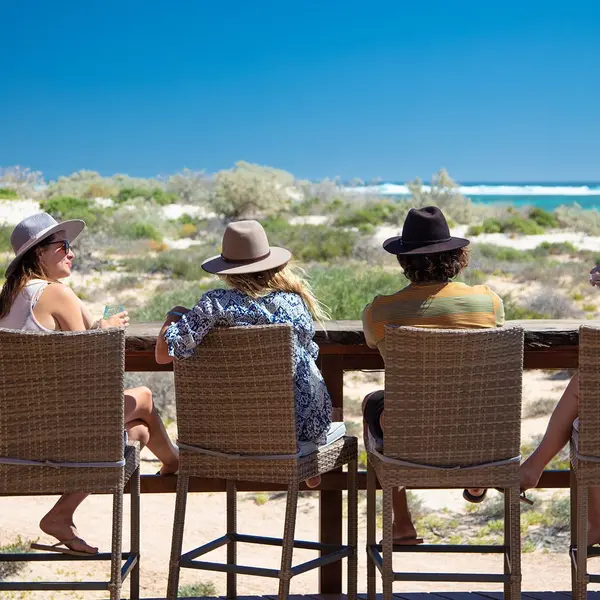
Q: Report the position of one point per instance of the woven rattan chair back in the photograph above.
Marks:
(235, 395)
(453, 397)
(589, 390)
(61, 400)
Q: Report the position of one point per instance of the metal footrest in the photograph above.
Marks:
(131, 559)
(374, 553)
(333, 554)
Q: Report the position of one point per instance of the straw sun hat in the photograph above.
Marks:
(246, 249)
(35, 229)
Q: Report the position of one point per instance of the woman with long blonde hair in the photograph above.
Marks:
(262, 288)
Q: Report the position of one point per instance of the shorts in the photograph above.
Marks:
(372, 413)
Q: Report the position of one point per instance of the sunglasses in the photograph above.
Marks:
(65, 245)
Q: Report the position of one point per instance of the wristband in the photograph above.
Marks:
(175, 313)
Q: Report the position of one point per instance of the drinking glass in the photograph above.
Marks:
(112, 309)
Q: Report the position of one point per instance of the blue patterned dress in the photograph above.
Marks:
(227, 308)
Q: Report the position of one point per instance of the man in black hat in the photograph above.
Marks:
(430, 258)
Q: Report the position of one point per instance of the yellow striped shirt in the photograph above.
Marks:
(435, 305)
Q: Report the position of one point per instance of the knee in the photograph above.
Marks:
(145, 397)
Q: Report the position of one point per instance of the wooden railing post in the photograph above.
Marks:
(330, 505)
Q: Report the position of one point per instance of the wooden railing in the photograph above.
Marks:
(548, 345)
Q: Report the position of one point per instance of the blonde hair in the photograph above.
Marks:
(289, 278)
(29, 267)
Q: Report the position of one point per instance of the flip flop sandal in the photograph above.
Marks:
(477, 499)
(58, 547)
(405, 541)
(473, 498)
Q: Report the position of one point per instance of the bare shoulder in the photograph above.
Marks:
(59, 293)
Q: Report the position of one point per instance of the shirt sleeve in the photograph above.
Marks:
(183, 337)
(368, 327)
(499, 309)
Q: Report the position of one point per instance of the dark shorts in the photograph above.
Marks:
(372, 413)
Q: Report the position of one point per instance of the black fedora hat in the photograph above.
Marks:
(425, 231)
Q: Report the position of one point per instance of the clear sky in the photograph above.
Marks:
(495, 91)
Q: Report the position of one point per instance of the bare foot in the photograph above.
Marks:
(65, 531)
(404, 531)
(313, 482)
(170, 467)
(529, 475)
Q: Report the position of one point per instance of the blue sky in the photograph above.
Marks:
(496, 91)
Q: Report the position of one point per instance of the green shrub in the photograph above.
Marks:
(347, 290)
(543, 218)
(371, 215)
(8, 194)
(156, 194)
(183, 295)
(178, 264)
(517, 312)
(68, 207)
(8, 569)
(555, 248)
(145, 231)
(310, 243)
(197, 590)
(514, 223)
(5, 231)
(501, 253)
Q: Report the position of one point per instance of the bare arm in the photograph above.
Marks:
(161, 352)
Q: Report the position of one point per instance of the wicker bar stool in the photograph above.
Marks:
(61, 430)
(452, 420)
(585, 458)
(236, 421)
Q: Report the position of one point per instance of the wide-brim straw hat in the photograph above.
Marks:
(246, 249)
(425, 231)
(35, 229)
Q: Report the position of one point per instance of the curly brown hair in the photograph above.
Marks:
(426, 268)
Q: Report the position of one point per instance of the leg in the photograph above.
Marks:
(59, 522)
(178, 525)
(288, 541)
(373, 411)
(114, 586)
(557, 435)
(594, 515)
(139, 407)
(137, 431)
(371, 526)
(232, 546)
(512, 541)
(388, 548)
(134, 581)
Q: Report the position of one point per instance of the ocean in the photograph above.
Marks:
(544, 195)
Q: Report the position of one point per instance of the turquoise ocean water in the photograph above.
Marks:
(544, 195)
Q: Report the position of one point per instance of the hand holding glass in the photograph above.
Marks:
(116, 315)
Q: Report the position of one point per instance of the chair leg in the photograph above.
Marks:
(573, 546)
(580, 591)
(134, 486)
(116, 550)
(352, 528)
(371, 527)
(512, 542)
(178, 526)
(231, 529)
(288, 541)
(388, 544)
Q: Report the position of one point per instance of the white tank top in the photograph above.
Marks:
(21, 312)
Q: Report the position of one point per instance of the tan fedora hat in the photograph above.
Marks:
(246, 249)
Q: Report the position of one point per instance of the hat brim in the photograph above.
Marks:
(217, 265)
(72, 229)
(395, 245)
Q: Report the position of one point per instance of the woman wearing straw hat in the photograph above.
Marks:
(263, 289)
(33, 299)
